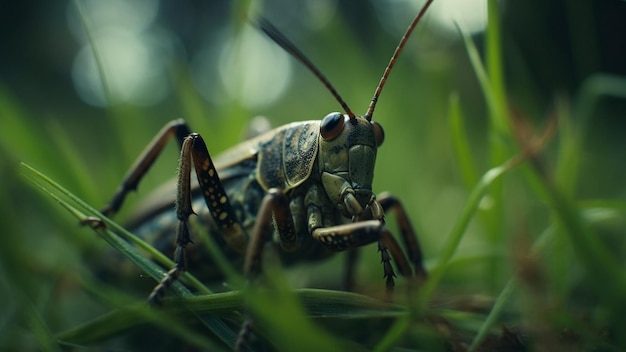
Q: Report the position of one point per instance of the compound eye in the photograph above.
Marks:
(331, 126)
(379, 134)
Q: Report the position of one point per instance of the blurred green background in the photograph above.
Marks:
(202, 61)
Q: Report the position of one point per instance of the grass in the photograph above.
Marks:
(523, 248)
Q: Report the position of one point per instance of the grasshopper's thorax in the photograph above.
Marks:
(347, 154)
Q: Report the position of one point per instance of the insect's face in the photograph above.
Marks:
(346, 157)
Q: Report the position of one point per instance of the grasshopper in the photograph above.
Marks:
(305, 188)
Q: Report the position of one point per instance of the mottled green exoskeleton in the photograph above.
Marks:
(305, 188)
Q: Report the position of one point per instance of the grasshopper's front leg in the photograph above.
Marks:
(391, 203)
(343, 237)
(275, 205)
(348, 236)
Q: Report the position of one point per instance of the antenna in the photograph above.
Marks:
(394, 57)
(281, 40)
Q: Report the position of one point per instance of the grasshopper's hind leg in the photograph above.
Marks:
(194, 149)
(177, 128)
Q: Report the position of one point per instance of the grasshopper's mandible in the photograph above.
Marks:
(312, 180)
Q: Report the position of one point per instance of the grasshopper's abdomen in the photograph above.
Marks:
(159, 226)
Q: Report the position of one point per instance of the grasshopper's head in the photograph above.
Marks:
(347, 153)
(348, 143)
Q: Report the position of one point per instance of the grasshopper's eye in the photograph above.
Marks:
(379, 134)
(332, 124)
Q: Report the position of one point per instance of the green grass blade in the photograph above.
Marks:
(319, 304)
(460, 226)
(80, 176)
(501, 144)
(264, 304)
(573, 130)
(346, 305)
(119, 321)
(494, 313)
(507, 292)
(461, 143)
(36, 322)
(491, 98)
(495, 70)
(560, 193)
(94, 49)
(109, 236)
(588, 247)
(213, 323)
(113, 238)
(454, 238)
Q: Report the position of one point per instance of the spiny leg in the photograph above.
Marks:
(388, 273)
(194, 149)
(183, 211)
(176, 128)
(352, 235)
(391, 203)
(180, 265)
(275, 205)
(215, 196)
